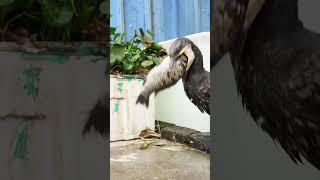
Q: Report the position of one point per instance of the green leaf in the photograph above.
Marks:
(57, 15)
(5, 2)
(156, 46)
(141, 32)
(112, 31)
(103, 7)
(150, 33)
(118, 38)
(157, 60)
(117, 53)
(146, 63)
(63, 17)
(128, 66)
(135, 58)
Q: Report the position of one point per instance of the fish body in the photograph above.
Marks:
(162, 76)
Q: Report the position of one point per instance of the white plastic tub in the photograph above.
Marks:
(128, 119)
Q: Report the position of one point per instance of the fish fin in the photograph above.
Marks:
(98, 120)
(143, 100)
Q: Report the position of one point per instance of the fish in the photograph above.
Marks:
(163, 76)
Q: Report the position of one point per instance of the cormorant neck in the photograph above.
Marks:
(281, 14)
(197, 65)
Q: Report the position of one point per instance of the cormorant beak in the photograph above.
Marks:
(189, 53)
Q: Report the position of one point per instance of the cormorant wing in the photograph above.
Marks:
(230, 19)
(303, 90)
(202, 91)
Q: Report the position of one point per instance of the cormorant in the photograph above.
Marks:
(230, 19)
(196, 80)
(187, 63)
(277, 70)
(278, 77)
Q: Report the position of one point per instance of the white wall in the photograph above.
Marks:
(172, 104)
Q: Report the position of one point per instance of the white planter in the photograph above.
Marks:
(67, 93)
(128, 119)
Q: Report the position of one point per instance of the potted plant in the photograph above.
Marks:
(130, 62)
(52, 54)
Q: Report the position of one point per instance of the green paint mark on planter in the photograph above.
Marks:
(61, 59)
(32, 76)
(129, 80)
(116, 106)
(120, 86)
(97, 59)
(31, 56)
(20, 151)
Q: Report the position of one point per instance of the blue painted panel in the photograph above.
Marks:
(204, 15)
(158, 19)
(186, 17)
(170, 19)
(115, 9)
(134, 16)
(166, 18)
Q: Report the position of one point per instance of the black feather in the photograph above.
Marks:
(278, 77)
(196, 81)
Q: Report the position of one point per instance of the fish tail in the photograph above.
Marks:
(98, 120)
(143, 99)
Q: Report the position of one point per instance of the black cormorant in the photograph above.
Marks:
(277, 69)
(278, 77)
(196, 80)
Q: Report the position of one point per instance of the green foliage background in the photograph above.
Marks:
(55, 20)
(136, 56)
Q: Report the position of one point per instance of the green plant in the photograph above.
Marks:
(54, 20)
(127, 57)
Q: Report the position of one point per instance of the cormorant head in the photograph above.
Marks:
(182, 49)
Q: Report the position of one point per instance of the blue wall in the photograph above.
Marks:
(166, 18)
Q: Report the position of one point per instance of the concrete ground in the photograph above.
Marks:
(162, 160)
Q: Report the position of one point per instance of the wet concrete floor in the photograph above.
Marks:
(162, 160)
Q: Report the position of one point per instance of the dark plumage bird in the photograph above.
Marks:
(225, 20)
(279, 79)
(229, 19)
(187, 63)
(196, 80)
(277, 71)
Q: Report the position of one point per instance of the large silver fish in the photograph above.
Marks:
(166, 74)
